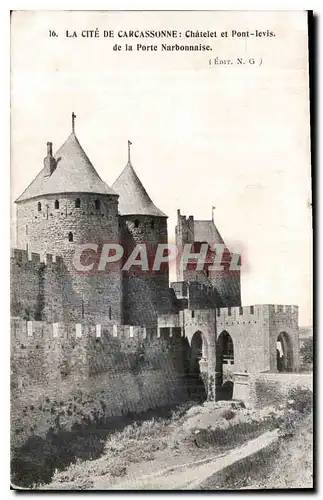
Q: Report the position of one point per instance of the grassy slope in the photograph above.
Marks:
(288, 465)
(140, 449)
(293, 467)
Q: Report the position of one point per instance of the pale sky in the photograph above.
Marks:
(234, 137)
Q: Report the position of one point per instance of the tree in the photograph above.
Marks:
(306, 351)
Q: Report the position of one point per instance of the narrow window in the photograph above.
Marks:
(56, 204)
(229, 311)
(77, 203)
(97, 204)
(110, 312)
(39, 206)
(70, 236)
(251, 310)
(240, 310)
(152, 224)
(193, 314)
(219, 311)
(136, 223)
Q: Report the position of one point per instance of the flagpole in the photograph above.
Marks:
(129, 144)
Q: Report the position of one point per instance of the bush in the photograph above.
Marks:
(228, 414)
(306, 351)
(300, 399)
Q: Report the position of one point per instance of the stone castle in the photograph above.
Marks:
(75, 330)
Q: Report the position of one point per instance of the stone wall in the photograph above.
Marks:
(283, 319)
(225, 282)
(184, 233)
(66, 374)
(254, 331)
(146, 292)
(92, 296)
(36, 286)
(202, 296)
(48, 228)
(271, 388)
(248, 328)
(43, 288)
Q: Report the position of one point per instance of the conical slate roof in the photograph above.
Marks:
(74, 174)
(134, 199)
(205, 230)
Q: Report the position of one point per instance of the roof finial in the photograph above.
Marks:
(129, 144)
(213, 208)
(73, 122)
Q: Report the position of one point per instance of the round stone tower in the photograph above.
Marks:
(146, 292)
(65, 206)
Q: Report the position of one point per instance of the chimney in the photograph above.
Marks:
(49, 149)
(49, 161)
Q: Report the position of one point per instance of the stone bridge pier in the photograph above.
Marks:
(200, 332)
(229, 344)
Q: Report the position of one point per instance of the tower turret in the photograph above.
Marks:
(59, 212)
(221, 268)
(146, 293)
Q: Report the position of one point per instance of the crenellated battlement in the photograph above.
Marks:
(171, 320)
(184, 289)
(184, 220)
(73, 360)
(263, 314)
(22, 330)
(180, 288)
(237, 313)
(283, 315)
(23, 257)
(258, 312)
(199, 316)
(196, 285)
(28, 332)
(37, 286)
(287, 309)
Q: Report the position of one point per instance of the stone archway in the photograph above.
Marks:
(224, 365)
(198, 366)
(284, 353)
